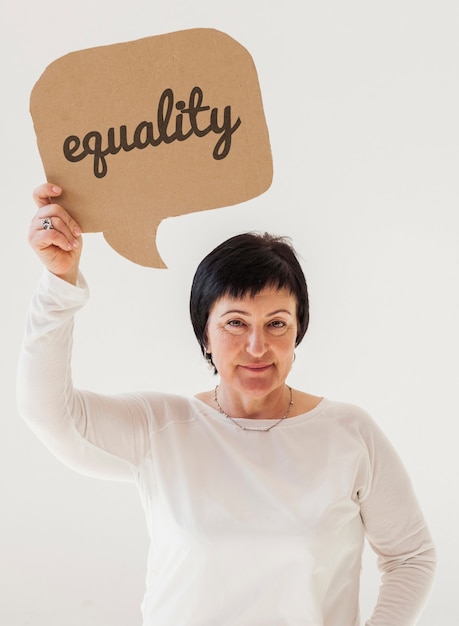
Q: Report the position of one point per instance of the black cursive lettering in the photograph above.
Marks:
(188, 121)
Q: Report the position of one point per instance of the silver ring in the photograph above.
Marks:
(47, 223)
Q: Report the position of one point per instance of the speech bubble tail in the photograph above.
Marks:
(140, 248)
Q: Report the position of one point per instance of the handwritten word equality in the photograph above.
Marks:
(167, 131)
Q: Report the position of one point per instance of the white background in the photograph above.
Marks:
(361, 100)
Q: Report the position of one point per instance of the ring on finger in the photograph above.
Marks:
(46, 223)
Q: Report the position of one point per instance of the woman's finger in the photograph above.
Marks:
(58, 218)
(44, 194)
(58, 230)
(49, 209)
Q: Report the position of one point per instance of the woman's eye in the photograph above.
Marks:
(277, 324)
(235, 323)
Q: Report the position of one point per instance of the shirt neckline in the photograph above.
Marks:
(259, 424)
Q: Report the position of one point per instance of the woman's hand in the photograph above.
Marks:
(59, 245)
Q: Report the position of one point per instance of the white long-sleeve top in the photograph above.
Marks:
(247, 528)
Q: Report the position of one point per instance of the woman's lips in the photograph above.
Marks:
(256, 367)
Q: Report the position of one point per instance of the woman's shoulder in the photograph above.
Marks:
(353, 419)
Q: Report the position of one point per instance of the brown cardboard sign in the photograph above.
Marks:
(139, 131)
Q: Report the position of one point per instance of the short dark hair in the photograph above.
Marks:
(246, 264)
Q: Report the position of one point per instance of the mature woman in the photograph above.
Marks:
(258, 497)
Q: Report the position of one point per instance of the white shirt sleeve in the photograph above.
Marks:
(101, 436)
(396, 530)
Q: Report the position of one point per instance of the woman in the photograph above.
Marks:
(258, 497)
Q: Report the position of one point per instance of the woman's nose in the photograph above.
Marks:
(256, 343)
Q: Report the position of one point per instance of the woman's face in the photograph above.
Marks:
(252, 340)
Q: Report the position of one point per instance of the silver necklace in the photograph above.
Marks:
(290, 404)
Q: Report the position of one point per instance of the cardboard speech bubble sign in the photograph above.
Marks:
(162, 126)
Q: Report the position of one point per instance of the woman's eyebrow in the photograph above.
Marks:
(241, 312)
(233, 311)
